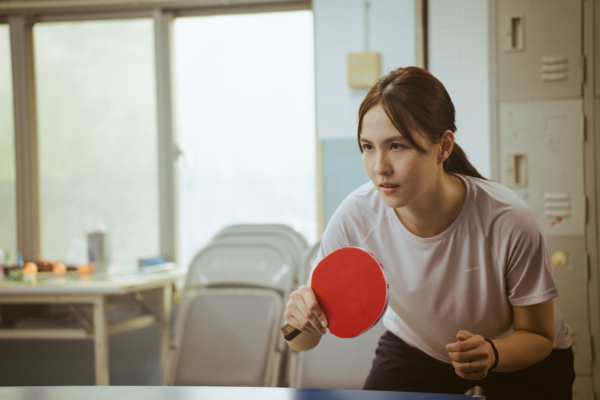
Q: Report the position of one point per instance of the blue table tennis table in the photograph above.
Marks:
(209, 393)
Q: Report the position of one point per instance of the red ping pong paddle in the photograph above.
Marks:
(351, 287)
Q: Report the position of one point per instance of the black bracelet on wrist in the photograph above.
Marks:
(495, 353)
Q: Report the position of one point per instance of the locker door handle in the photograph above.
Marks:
(516, 170)
(512, 33)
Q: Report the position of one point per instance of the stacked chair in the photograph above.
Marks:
(227, 328)
(296, 360)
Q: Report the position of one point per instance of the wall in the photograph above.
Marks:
(458, 57)
(343, 171)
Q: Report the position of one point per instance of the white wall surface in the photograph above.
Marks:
(339, 30)
(458, 57)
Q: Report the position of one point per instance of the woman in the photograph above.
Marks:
(471, 285)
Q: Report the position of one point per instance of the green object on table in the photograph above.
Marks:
(14, 273)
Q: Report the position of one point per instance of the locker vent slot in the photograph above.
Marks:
(554, 77)
(557, 206)
(550, 60)
(554, 69)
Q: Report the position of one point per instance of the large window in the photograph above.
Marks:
(245, 118)
(8, 231)
(97, 137)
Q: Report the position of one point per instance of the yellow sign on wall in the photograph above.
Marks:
(363, 69)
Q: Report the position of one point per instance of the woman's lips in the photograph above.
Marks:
(389, 189)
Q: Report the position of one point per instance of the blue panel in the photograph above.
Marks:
(343, 172)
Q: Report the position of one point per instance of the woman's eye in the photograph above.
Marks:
(397, 146)
(366, 146)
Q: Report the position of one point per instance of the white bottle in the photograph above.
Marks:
(99, 250)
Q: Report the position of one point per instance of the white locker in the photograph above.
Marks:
(541, 159)
(583, 388)
(538, 81)
(571, 276)
(539, 49)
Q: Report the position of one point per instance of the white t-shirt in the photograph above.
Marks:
(492, 256)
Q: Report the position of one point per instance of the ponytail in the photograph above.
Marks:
(458, 163)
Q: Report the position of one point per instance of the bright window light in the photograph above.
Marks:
(97, 138)
(246, 123)
(8, 230)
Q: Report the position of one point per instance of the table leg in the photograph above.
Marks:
(165, 329)
(101, 342)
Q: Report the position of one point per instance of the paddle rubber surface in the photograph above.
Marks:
(351, 288)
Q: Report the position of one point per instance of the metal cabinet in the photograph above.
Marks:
(539, 49)
(539, 107)
(541, 158)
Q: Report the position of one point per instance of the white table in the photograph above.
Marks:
(94, 289)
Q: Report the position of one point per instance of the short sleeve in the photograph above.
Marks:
(333, 238)
(527, 268)
(347, 225)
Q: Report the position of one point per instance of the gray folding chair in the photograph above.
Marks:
(227, 328)
(278, 228)
(294, 359)
(279, 238)
(308, 259)
(286, 239)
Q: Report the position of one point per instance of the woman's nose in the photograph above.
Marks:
(382, 166)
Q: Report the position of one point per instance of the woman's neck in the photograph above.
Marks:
(432, 213)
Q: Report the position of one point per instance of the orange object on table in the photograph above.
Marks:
(59, 269)
(85, 269)
(30, 268)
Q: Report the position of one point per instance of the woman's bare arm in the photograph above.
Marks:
(531, 340)
(530, 343)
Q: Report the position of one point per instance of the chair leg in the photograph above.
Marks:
(475, 391)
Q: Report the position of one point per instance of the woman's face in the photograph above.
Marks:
(401, 173)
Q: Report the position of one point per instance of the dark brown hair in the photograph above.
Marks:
(414, 100)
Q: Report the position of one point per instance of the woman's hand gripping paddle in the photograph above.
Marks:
(351, 289)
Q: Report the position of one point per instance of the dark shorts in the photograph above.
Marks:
(400, 367)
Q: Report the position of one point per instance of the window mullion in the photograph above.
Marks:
(26, 138)
(167, 144)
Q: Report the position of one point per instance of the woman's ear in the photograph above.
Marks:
(446, 144)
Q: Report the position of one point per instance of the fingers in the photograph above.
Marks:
(466, 341)
(303, 311)
(313, 306)
(470, 356)
(464, 370)
(463, 335)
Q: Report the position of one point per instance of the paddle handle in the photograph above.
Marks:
(289, 332)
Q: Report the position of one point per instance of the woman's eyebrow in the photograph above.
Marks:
(386, 141)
